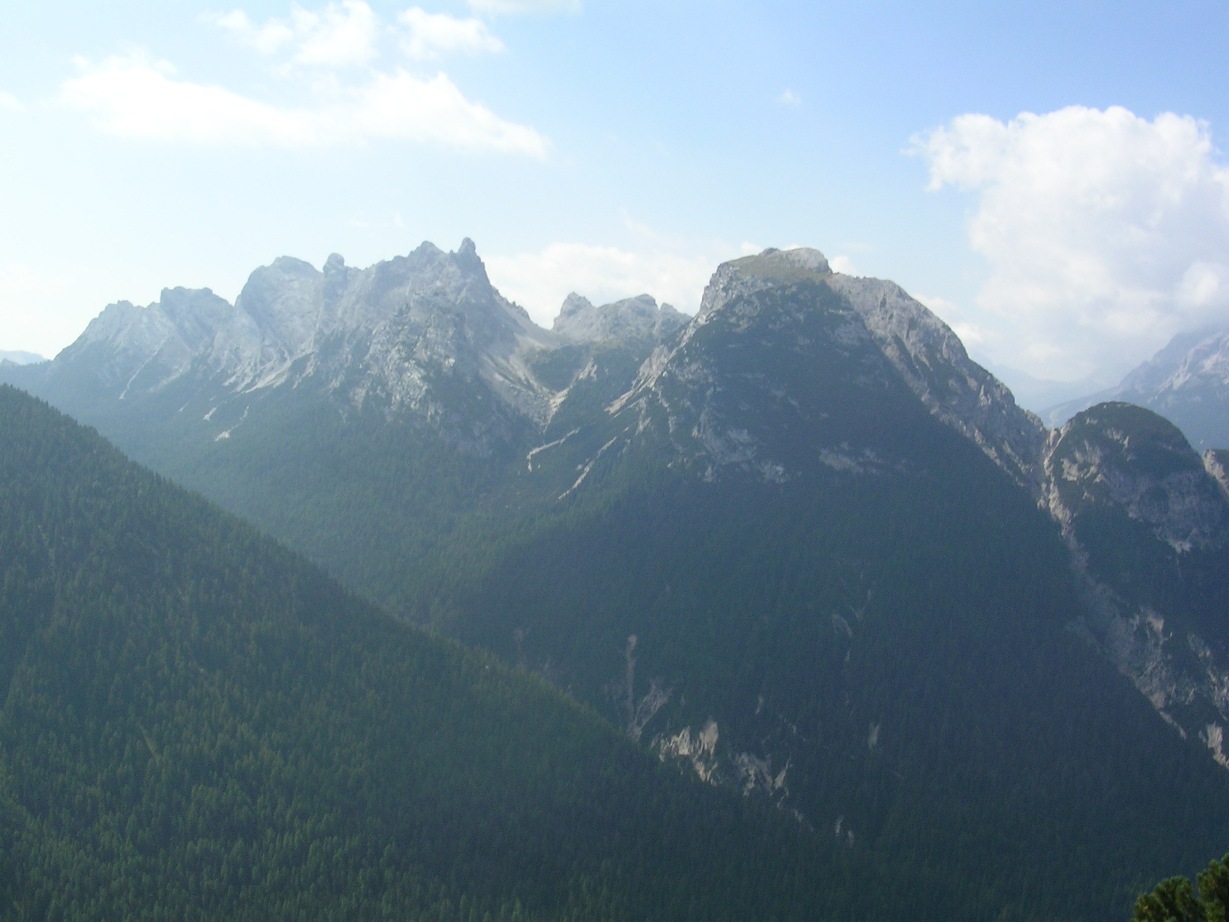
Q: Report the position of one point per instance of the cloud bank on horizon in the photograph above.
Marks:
(586, 149)
(1099, 227)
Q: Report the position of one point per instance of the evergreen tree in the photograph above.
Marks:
(1175, 899)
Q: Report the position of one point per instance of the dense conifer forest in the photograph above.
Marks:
(198, 725)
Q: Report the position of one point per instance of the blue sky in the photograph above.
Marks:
(1046, 176)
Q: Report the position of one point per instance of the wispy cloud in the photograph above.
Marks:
(430, 35)
(342, 34)
(842, 264)
(10, 103)
(327, 59)
(790, 99)
(525, 7)
(1105, 233)
(136, 96)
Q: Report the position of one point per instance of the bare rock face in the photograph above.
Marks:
(127, 346)
(396, 333)
(1119, 456)
(630, 320)
(884, 338)
(1147, 522)
(277, 315)
(1216, 463)
(933, 361)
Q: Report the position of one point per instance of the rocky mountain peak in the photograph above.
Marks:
(20, 357)
(749, 274)
(785, 264)
(154, 344)
(1187, 358)
(283, 301)
(385, 332)
(573, 305)
(632, 319)
(467, 257)
(1125, 456)
(865, 322)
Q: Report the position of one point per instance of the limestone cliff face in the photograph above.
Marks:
(629, 320)
(127, 346)
(881, 337)
(933, 362)
(412, 336)
(1119, 456)
(1146, 518)
(1216, 463)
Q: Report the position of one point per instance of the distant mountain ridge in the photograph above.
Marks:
(1187, 382)
(374, 334)
(799, 544)
(20, 358)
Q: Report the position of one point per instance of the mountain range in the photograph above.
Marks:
(798, 545)
(20, 358)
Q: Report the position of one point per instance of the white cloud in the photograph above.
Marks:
(540, 281)
(522, 7)
(135, 96)
(1105, 233)
(343, 34)
(270, 38)
(790, 98)
(400, 105)
(10, 103)
(842, 264)
(433, 34)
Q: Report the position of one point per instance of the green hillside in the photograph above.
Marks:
(198, 725)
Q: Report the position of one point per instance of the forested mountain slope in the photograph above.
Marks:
(785, 569)
(195, 724)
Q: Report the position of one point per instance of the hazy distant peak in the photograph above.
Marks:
(573, 304)
(21, 358)
(467, 251)
(195, 313)
(636, 318)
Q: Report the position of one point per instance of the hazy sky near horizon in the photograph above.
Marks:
(1046, 176)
